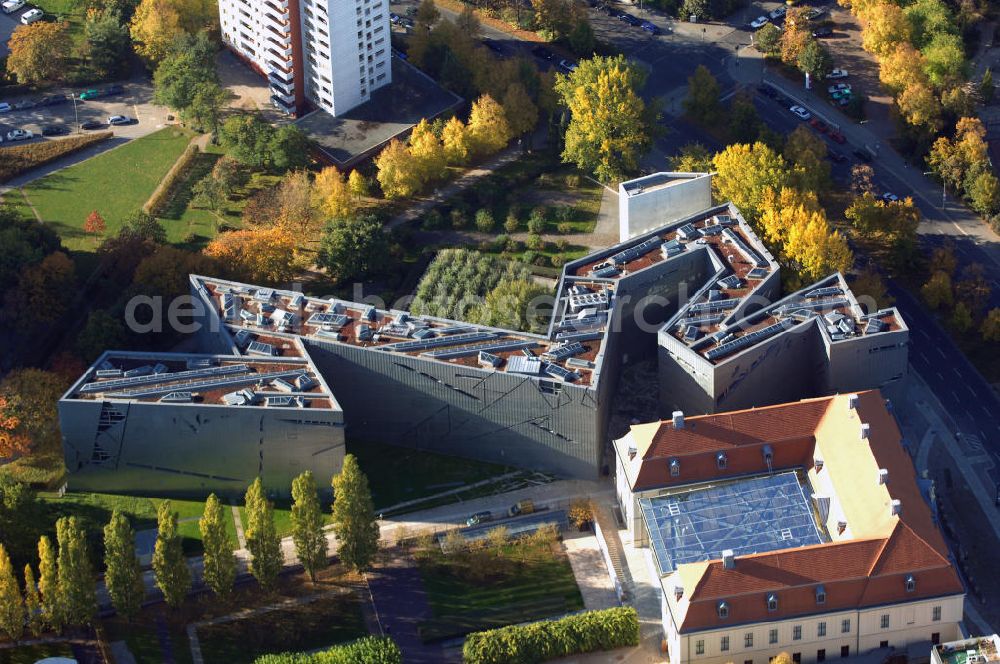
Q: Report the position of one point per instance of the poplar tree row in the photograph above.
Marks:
(64, 592)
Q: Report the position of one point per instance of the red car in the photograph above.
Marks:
(818, 125)
(837, 137)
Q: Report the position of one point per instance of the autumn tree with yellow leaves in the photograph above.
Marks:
(157, 23)
(744, 174)
(488, 126)
(428, 152)
(457, 142)
(331, 193)
(39, 52)
(398, 171)
(258, 255)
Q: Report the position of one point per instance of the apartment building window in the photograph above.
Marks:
(772, 636)
(724, 644)
(748, 640)
(821, 629)
(699, 647)
(936, 638)
(820, 595)
(797, 633)
(936, 614)
(845, 626)
(821, 655)
(885, 621)
(845, 651)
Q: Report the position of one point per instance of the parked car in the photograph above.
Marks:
(393, 17)
(767, 91)
(836, 157)
(5, 107)
(814, 13)
(521, 507)
(32, 15)
(631, 20)
(890, 197)
(837, 73)
(800, 112)
(837, 137)
(863, 155)
(11, 6)
(759, 22)
(822, 33)
(839, 87)
(55, 130)
(52, 100)
(113, 90)
(19, 135)
(478, 518)
(406, 22)
(89, 94)
(118, 120)
(542, 52)
(25, 104)
(651, 27)
(567, 65)
(843, 96)
(91, 124)
(818, 125)
(777, 14)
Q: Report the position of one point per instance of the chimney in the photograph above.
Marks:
(818, 463)
(852, 401)
(883, 476)
(678, 592)
(632, 449)
(678, 419)
(895, 508)
(729, 559)
(866, 429)
(841, 527)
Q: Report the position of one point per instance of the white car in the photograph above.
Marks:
(568, 65)
(19, 135)
(800, 112)
(32, 15)
(839, 87)
(119, 120)
(759, 22)
(11, 6)
(837, 73)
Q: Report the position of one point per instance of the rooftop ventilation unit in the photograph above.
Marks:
(489, 359)
(305, 382)
(729, 559)
(852, 401)
(883, 476)
(678, 592)
(176, 397)
(632, 449)
(678, 418)
(768, 453)
(895, 507)
(675, 467)
(866, 430)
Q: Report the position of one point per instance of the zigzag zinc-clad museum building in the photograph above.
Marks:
(699, 290)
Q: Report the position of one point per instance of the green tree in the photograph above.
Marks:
(353, 248)
(247, 137)
(108, 44)
(53, 606)
(581, 37)
(990, 329)
(516, 304)
(986, 88)
(937, 291)
(814, 60)
(76, 578)
(610, 125)
(33, 603)
(205, 109)
(984, 192)
(692, 158)
(307, 525)
(427, 14)
(262, 537)
(806, 152)
(945, 60)
(173, 577)
(768, 39)
(11, 605)
(288, 149)
(102, 331)
(961, 317)
(189, 64)
(354, 516)
(123, 575)
(698, 8)
(219, 559)
(702, 101)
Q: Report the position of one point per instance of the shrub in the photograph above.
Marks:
(562, 244)
(564, 213)
(565, 228)
(368, 650)
(536, 222)
(557, 260)
(484, 220)
(19, 159)
(572, 181)
(529, 257)
(500, 242)
(433, 220)
(535, 241)
(168, 185)
(458, 218)
(512, 223)
(549, 639)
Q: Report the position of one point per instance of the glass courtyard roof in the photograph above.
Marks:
(748, 516)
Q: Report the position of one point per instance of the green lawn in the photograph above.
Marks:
(115, 183)
(397, 474)
(318, 624)
(31, 654)
(66, 10)
(478, 589)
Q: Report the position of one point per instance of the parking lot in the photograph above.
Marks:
(134, 102)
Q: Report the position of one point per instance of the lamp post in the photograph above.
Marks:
(76, 113)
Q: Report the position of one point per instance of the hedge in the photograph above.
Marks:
(548, 639)
(165, 191)
(448, 626)
(18, 159)
(368, 650)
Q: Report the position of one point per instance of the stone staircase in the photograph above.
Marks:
(609, 530)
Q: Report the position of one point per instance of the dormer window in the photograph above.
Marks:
(723, 609)
(675, 467)
(772, 602)
(820, 595)
(911, 583)
(720, 460)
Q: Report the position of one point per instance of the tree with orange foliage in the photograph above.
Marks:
(29, 421)
(263, 254)
(95, 223)
(38, 52)
(13, 442)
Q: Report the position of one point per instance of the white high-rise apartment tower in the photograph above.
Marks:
(333, 53)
